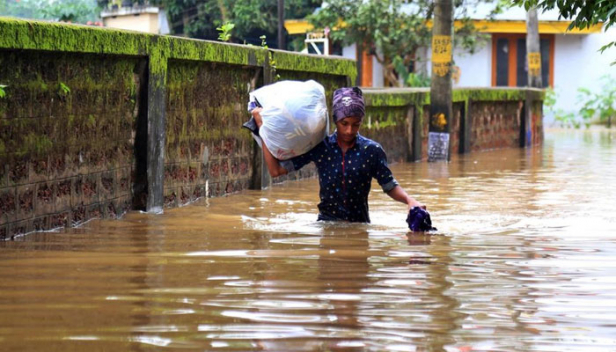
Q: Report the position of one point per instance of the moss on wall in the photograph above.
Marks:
(205, 143)
(56, 100)
(34, 35)
(288, 61)
(396, 96)
(421, 96)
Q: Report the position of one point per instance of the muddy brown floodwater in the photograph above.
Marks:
(524, 260)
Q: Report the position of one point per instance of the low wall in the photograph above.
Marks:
(95, 122)
(483, 118)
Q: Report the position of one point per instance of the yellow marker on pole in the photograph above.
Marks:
(534, 64)
(441, 54)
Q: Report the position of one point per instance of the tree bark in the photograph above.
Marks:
(223, 11)
(281, 43)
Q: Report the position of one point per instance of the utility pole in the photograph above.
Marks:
(533, 49)
(533, 61)
(440, 87)
(281, 43)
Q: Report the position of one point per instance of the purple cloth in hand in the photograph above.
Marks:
(419, 220)
(348, 102)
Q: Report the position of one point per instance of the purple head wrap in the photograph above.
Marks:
(348, 102)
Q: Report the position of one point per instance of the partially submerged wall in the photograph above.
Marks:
(95, 122)
(486, 118)
(66, 139)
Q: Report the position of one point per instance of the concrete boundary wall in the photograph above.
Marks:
(95, 122)
(483, 119)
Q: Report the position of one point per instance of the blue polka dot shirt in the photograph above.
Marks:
(345, 178)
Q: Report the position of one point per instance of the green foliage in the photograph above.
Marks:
(79, 11)
(418, 80)
(2, 92)
(582, 13)
(251, 18)
(410, 79)
(263, 42)
(564, 119)
(601, 104)
(63, 90)
(225, 31)
(272, 61)
(392, 29)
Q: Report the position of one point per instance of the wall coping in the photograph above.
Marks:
(19, 34)
(397, 97)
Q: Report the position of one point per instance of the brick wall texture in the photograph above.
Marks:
(66, 139)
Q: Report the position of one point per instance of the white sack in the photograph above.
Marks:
(294, 117)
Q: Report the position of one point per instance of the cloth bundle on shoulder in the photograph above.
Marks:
(294, 117)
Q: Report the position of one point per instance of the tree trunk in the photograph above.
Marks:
(281, 44)
(533, 49)
(440, 89)
(223, 11)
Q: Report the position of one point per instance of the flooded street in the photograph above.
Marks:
(524, 259)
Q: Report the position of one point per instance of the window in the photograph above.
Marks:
(509, 64)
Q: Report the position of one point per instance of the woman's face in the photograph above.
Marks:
(348, 128)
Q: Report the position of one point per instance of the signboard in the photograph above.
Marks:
(438, 146)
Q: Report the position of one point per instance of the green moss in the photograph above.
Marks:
(397, 97)
(34, 35)
(312, 63)
(421, 96)
(34, 144)
(63, 90)
(91, 121)
(202, 50)
(383, 117)
(488, 94)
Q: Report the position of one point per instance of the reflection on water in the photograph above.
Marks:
(525, 260)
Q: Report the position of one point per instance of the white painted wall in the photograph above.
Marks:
(577, 63)
(142, 22)
(377, 74)
(476, 69)
(350, 52)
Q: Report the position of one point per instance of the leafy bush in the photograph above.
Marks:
(601, 104)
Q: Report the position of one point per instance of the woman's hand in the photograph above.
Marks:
(411, 203)
(256, 113)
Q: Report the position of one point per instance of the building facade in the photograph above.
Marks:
(570, 59)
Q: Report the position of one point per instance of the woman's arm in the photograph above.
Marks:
(273, 164)
(398, 193)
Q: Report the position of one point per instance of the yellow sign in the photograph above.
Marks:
(441, 54)
(439, 121)
(534, 64)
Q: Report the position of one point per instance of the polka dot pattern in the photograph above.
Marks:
(345, 178)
